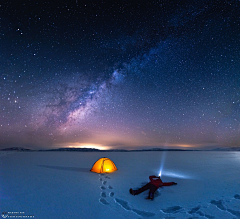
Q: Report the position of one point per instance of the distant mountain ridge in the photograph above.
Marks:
(227, 149)
(117, 150)
(15, 149)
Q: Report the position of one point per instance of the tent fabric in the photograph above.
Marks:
(104, 165)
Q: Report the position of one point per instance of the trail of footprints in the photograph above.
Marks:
(107, 192)
(105, 189)
(198, 211)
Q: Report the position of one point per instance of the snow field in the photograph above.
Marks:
(60, 185)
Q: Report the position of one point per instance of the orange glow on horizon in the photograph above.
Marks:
(88, 145)
(185, 145)
(132, 147)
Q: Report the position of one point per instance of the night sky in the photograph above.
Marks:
(119, 74)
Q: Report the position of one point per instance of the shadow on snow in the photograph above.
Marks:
(76, 169)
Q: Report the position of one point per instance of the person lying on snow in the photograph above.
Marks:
(153, 185)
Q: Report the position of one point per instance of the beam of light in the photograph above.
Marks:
(160, 173)
(162, 163)
(176, 175)
(173, 174)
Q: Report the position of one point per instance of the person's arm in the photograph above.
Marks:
(169, 184)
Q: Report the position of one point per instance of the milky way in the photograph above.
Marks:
(120, 74)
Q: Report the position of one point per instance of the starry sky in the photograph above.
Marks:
(120, 74)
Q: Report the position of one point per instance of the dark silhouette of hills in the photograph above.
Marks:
(15, 149)
(118, 150)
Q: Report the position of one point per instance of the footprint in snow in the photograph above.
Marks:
(237, 196)
(219, 204)
(102, 187)
(103, 201)
(111, 194)
(103, 194)
(173, 210)
(127, 207)
(196, 210)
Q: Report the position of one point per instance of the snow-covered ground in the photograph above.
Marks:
(60, 185)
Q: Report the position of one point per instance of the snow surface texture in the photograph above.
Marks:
(60, 185)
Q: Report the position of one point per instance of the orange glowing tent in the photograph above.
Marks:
(104, 165)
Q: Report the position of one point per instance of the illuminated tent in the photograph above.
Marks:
(104, 165)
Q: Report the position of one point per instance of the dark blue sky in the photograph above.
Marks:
(120, 74)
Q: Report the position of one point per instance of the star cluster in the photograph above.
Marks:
(120, 74)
